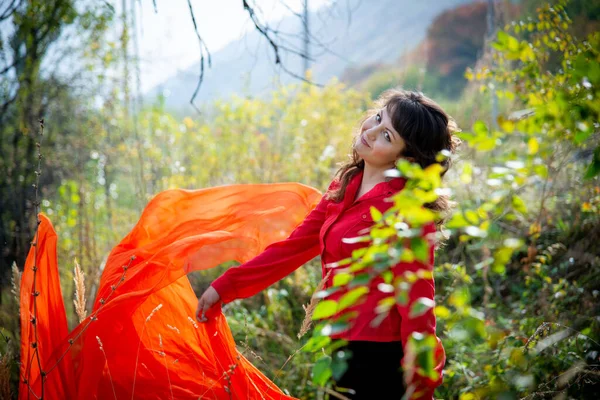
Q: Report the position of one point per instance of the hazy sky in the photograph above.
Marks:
(167, 42)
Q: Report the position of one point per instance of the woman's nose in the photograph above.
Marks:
(371, 132)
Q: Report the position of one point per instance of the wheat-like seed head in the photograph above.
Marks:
(16, 282)
(311, 306)
(158, 307)
(79, 301)
(100, 343)
(194, 324)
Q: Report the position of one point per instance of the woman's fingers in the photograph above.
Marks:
(209, 298)
(203, 305)
(201, 309)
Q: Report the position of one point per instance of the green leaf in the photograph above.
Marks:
(425, 361)
(519, 204)
(581, 136)
(402, 297)
(466, 175)
(594, 168)
(457, 221)
(321, 371)
(419, 216)
(481, 129)
(352, 297)
(420, 248)
(339, 364)
(325, 309)
(513, 44)
(501, 43)
(384, 305)
(334, 328)
(501, 258)
(316, 343)
(420, 307)
(342, 279)
(541, 170)
(360, 279)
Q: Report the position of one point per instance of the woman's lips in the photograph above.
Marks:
(362, 139)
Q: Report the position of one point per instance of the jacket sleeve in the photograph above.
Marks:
(424, 387)
(278, 260)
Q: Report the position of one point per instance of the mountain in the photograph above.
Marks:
(344, 36)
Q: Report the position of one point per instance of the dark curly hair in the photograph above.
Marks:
(426, 129)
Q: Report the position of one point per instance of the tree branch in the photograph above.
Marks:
(10, 10)
(202, 48)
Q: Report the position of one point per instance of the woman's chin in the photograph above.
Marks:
(360, 149)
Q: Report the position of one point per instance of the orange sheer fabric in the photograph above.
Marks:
(142, 340)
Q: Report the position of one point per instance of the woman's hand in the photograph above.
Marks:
(209, 298)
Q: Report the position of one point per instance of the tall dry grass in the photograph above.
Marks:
(79, 300)
(311, 306)
(5, 390)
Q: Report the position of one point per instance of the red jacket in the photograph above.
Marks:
(322, 232)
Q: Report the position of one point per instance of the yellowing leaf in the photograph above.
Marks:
(376, 214)
(467, 173)
(507, 125)
(534, 100)
(533, 146)
(188, 122)
(459, 298)
(486, 144)
(442, 312)
(519, 204)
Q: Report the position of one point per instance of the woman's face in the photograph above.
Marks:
(379, 144)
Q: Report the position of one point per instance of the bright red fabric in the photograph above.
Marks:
(322, 232)
(151, 345)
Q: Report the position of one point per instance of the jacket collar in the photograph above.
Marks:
(383, 188)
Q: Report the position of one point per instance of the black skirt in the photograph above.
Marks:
(374, 371)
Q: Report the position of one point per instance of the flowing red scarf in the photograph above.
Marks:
(142, 340)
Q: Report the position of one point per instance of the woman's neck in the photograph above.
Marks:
(372, 175)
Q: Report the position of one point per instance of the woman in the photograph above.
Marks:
(404, 125)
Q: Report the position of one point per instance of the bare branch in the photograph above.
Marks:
(202, 48)
(12, 7)
(262, 30)
(9, 67)
(268, 33)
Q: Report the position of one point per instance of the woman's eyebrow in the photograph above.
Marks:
(393, 132)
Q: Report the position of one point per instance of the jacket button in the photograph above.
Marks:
(364, 216)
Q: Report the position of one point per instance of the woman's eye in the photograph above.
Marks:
(387, 136)
(378, 117)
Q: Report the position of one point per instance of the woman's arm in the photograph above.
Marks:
(425, 323)
(277, 261)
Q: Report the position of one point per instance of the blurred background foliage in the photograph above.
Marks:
(518, 281)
